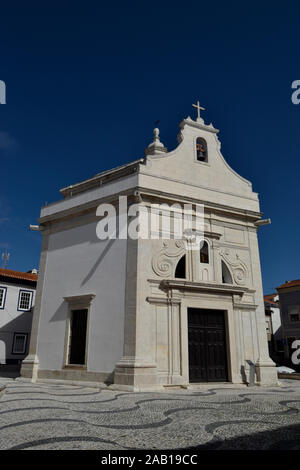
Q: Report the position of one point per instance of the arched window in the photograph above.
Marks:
(226, 276)
(180, 268)
(204, 255)
(201, 148)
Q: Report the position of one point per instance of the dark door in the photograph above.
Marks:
(78, 336)
(207, 345)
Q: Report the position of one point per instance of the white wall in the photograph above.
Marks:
(79, 263)
(276, 320)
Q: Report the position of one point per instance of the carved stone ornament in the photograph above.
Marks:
(236, 266)
(164, 262)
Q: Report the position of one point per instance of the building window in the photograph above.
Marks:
(25, 300)
(2, 296)
(204, 256)
(20, 343)
(293, 312)
(180, 271)
(201, 149)
(77, 352)
(76, 346)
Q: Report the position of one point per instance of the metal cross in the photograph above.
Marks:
(198, 108)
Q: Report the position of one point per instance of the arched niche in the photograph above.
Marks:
(201, 150)
(226, 276)
(204, 252)
(180, 271)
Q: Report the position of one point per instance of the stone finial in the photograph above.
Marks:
(156, 146)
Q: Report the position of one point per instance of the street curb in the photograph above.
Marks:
(293, 376)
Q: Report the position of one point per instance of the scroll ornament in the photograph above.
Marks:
(236, 266)
(163, 263)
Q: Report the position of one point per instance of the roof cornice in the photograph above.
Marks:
(101, 178)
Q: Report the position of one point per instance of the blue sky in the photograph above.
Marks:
(85, 82)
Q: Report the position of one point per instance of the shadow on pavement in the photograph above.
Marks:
(10, 371)
(284, 438)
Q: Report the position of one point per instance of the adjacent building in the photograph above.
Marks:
(17, 296)
(289, 300)
(143, 313)
(273, 327)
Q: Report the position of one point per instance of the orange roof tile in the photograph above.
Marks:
(270, 299)
(296, 282)
(18, 275)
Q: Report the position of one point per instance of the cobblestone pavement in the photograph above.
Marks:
(47, 416)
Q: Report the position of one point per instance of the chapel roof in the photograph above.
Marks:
(113, 173)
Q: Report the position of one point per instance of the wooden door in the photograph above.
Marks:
(207, 345)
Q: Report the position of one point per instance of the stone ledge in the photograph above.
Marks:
(71, 375)
(203, 286)
(82, 383)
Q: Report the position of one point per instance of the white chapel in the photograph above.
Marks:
(148, 313)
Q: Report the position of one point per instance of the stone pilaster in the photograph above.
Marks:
(266, 372)
(134, 371)
(30, 364)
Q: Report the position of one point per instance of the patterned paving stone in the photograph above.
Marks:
(47, 416)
